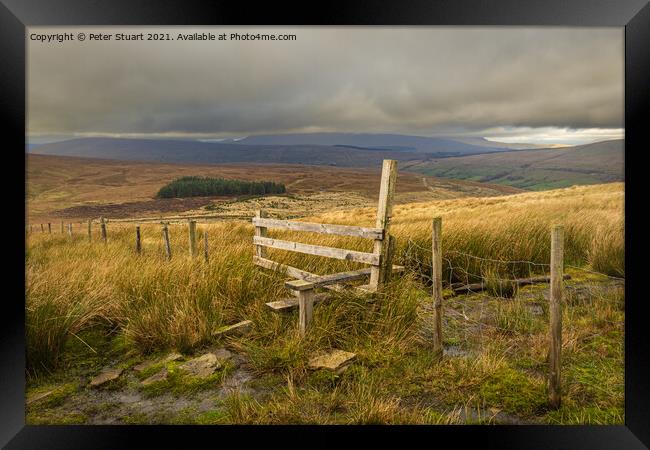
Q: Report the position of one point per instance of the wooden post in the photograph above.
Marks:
(30, 229)
(260, 231)
(42, 230)
(384, 214)
(192, 235)
(205, 246)
(305, 310)
(436, 277)
(168, 248)
(61, 227)
(70, 229)
(555, 348)
(387, 268)
(49, 227)
(103, 228)
(90, 230)
(138, 244)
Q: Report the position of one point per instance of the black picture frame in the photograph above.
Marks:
(634, 15)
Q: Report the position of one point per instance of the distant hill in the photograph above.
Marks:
(534, 169)
(401, 142)
(196, 152)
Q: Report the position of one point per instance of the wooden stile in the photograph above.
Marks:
(436, 277)
(555, 313)
(384, 214)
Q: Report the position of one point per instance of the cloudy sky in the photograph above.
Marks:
(513, 84)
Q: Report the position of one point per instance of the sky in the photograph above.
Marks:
(543, 85)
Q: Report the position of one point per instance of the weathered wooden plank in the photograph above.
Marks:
(340, 230)
(289, 270)
(330, 252)
(289, 304)
(299, 285)
(555, 315)
(384, 215)
(321, 280)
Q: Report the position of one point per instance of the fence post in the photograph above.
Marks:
(260, 231)
(205, 245)
(387, 267)
(138, 245)
(192, 235)
(49, 227)
(90, 230)
(42, 230)
(555, 348)
(30, 229)
(436, 278)
(168, 248)
(384, 214)
(103, 228)
(70, 229)
(62, 227)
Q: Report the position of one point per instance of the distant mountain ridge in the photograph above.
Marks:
(421, 144)
(341, 149)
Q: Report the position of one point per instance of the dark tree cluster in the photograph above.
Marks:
(204, 186)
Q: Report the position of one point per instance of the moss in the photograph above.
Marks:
(513, 391)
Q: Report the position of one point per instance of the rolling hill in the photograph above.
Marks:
(534, 169)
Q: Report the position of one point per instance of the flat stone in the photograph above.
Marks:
(238, 329)
(147, 364)
(222, 355)
(105, 376)
(336, 360)
(40, 396)
(160, 376)
(172, 357)
(203, 366)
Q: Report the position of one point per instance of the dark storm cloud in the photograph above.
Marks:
(407, 80)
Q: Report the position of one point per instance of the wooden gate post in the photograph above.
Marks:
(168, 248)
(436, 278)
(260, 231)
(384, 215)
(103, 229)
(205, 246)
(555, 348)
(192, 236)
(138, 244)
